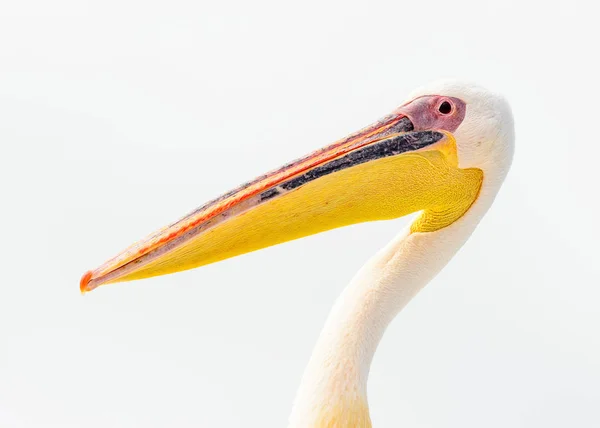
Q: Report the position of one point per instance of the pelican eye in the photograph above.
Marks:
(445, 108)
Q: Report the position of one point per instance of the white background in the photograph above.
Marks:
(117, 117)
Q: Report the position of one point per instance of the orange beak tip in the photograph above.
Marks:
(84, 281)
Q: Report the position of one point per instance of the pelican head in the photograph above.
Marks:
(430, 155)
(485, 138)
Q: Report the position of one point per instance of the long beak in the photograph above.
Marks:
(381, 172)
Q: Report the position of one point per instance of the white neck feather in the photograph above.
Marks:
(335, 380)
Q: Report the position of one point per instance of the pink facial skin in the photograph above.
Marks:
(434, 112)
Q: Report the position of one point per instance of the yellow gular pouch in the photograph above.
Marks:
(428, 180)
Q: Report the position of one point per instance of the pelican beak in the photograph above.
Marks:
(386, 170)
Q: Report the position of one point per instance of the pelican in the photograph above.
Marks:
(442, 155)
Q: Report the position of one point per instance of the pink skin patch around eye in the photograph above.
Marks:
(433, 112)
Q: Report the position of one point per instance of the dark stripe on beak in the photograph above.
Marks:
(389, 147)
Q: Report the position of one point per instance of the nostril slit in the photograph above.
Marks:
(445, 108)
